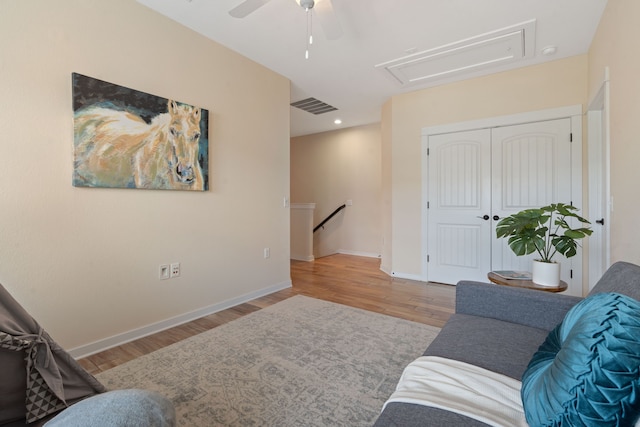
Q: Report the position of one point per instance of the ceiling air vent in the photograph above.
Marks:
(313, 106)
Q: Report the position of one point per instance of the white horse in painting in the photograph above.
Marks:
(170, 160)
(118, 149)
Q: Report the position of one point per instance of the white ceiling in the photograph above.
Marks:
(342, 72)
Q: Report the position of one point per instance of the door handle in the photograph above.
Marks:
(496, 217)
(600, 221)
(485, 217)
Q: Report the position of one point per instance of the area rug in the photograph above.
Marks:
(300, 362)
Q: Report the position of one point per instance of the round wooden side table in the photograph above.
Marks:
(528, 284)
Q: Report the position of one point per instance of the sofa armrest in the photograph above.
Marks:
(527, 307)
(622, 277)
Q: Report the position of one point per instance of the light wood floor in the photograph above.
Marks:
(350, 280)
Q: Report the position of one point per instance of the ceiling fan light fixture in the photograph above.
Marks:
(306, 4)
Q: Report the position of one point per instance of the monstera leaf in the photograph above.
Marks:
(543, 230)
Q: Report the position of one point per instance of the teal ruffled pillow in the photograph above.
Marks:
(587, 372)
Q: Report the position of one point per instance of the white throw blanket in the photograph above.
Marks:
(459, 387)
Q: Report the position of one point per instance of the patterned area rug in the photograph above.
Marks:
(300, 362)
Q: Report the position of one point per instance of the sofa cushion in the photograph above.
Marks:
(587, 371)
(398, 414)
(496, 345)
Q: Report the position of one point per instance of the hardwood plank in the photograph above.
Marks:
(344, 279)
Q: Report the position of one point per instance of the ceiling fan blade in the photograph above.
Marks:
(247, 7)
(328, 19)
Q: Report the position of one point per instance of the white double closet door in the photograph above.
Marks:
(479, 176)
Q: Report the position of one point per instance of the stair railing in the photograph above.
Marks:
(321, 225)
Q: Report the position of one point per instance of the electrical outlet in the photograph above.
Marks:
(175, 270)
(164, 272)
(267, 253)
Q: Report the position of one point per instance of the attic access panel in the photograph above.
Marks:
(488, 50)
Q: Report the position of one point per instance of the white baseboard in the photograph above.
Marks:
(388, 271)
(416, 277)
(385, 269)
(358, 253)
(119, 339)
(302, 257)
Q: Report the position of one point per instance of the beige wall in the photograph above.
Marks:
(555, 84)
(616, 45)
(84, 261)
(330, 168)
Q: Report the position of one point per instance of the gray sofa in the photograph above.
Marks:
(499, 328)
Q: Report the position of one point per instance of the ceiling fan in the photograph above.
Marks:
(322, 8)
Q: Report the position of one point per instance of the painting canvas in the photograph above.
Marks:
(124, 138)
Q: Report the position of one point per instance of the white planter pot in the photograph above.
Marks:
(546, 273)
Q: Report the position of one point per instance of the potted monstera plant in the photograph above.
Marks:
(546, 231)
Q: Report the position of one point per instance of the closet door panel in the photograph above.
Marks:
(531, 167)
(459, 224)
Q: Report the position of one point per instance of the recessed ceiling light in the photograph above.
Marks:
(549, 50)
(337, 121)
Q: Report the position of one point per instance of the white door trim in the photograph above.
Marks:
(598, 137)
(573, 112)
(513, 119)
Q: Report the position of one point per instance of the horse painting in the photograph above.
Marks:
(170, 160)
(117, 148)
